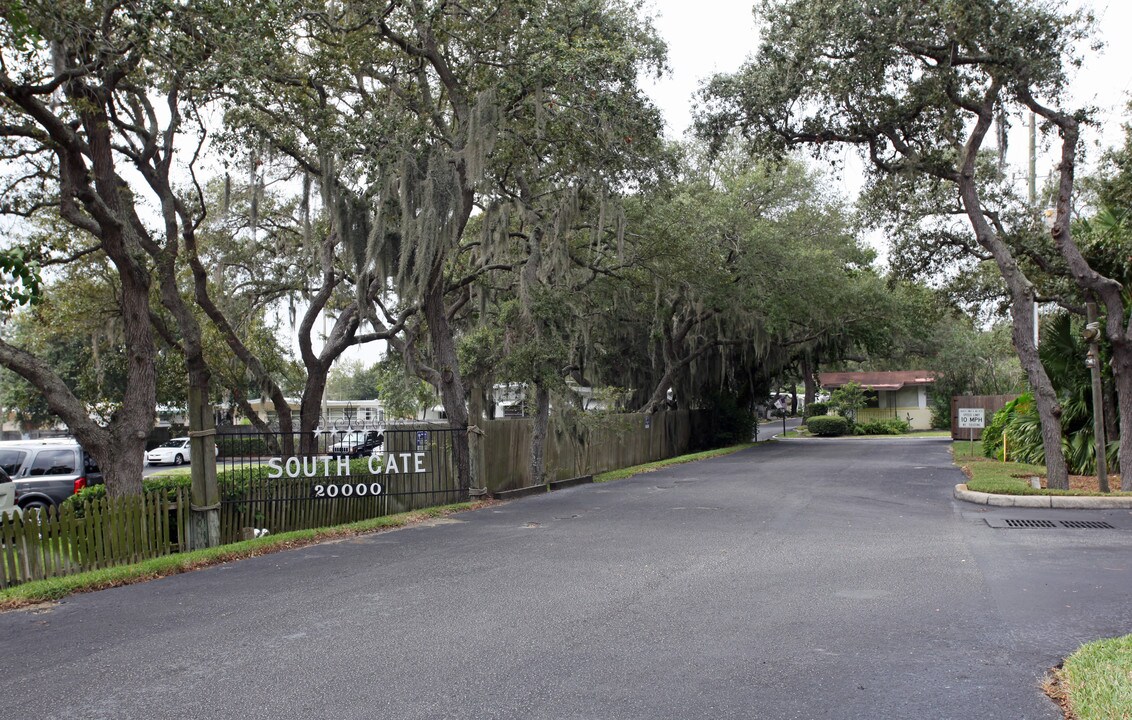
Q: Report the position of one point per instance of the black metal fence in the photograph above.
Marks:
(292, 481)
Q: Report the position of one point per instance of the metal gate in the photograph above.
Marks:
(276, 482)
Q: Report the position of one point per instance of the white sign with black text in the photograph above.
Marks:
(326, 468)
(972, 418)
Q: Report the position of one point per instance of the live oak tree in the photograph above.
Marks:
(85, 141)
(918, 87)
(75, 329)
(423, 111)
(740, 271)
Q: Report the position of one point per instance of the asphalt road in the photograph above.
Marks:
(827, 579)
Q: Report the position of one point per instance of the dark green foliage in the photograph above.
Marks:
(816, 408)
(828, 425)
(847, 400)
(941, 412)
(235, 446)
(731, 423)
(22, 284)
(992, 433)
(1019, 421)
(353, 380)
(168, 483)
(232, 483)
(891, 426)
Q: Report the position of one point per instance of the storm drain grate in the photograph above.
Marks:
(1035, 523)
(1010, 522)
(1086, 525)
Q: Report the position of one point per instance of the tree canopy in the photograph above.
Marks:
(486, 188)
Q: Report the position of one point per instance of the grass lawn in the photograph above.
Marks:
(1096, 681)
(173, 472)
(801, 432)
(1004, 478)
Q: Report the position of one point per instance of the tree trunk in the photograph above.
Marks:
(124, 456)
(451, 384)
(310, 408)
(1122, 376)
(538, 437)
(1049, 410)
(1111, 425)
(1021, 295)
(809, 381)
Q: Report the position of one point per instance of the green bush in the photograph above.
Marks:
(941, 413)
(828, 425)
(900, 425)
(816, 408)
(891, 426)
(151, 484)
(233, 483)
(241, 446)
(992, 433)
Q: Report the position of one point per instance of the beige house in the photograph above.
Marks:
(892, 394)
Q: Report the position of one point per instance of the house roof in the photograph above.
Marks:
(888, 380)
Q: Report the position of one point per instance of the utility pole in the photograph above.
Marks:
(1093, 362)
(1033, 161)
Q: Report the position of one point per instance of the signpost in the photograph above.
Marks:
(971, 418)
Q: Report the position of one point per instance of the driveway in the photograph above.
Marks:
(821, 579)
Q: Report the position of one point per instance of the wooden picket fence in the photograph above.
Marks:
(103, 533)
(286, 504)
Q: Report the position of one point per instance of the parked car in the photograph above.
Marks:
(7, 495)
(358, 443)
(172, 452)
(46, 472)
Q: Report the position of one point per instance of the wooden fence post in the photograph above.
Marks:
(204, 525)
(477, 474)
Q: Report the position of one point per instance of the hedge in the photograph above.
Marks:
(891, 426)
(816, 409)
(235, 446)
(828, 425)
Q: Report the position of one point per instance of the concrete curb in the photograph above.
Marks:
(536, 489)
(571, 482)
(1065, 502)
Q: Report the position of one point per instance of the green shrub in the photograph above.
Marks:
(828, 425)
(233, 483)
(941, 413)
(168, 483)
(816, 408)
(898, 426)
(1018, 419)
(891, 426)
(992, 433)
(848, 400)
(241, 446)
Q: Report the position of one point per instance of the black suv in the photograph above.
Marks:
(47, 472)
(358, 443)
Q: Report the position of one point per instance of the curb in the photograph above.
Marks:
(1065, 502)
(536, 489)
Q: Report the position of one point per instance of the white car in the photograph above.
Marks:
(7, 495)
(172, 452)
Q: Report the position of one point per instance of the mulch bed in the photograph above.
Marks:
(1088, 483)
